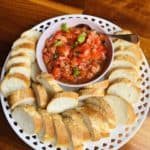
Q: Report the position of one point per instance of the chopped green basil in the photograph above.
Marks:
(55, 55)
(58, 43)
(81, 37)
(64, 27)
(75, 44)
(76, 71)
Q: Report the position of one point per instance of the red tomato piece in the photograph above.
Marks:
(57, 73)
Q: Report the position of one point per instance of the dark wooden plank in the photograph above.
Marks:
(130, 14)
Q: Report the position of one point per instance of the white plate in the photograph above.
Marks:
(121, 134)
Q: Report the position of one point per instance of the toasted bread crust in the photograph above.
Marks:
(63, 139)
(127, 83)
(37, 119)
(31, 35)
(49, 133)
(102, 85)
(135, 77)
(99, 104)
(134, 49)
(41, 95)
(20, 76)
(127, 58)
(130, 111)
(75, 124)
(20, 95)
(50, 80)
(70, 94)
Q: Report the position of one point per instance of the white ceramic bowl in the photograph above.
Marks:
(72, 22)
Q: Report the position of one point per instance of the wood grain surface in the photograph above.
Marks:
(19, 15)
(131, 14)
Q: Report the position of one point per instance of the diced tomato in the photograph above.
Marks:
(57, 73)
(46, 59)
(84, 47)
(67, 77)
(86, 55)
(44, 50)
(72, 61)
(64, 50)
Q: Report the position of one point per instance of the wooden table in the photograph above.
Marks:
(18, 15)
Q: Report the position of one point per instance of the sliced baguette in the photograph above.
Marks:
(27, 51)
(100, 127)
(124, 61)
(21, 97)
(87, 93)
(49, 83)
(101, 85)
(62, 101)
(35, 70)
(122, 44)
(123, 110)
(21, 68)
(41, 95)
(31, 35)
(47, 134)
(99, 104)
(124, 72)
(28, 118)
(23, 43)
(63, 138)
(127, 90)
(13, 82)
(21, 58)
(76, 127)
(132, 51)
(96, 89)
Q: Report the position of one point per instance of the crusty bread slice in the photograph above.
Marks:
(99, 126)
(124, 61)
(35, 70)
(28, 118)
(48, 131)
(76, 127)
(28, 51)
(101, 85)
(41, 95)
(21, 97)
(132, 51)
(62, 101)
(125, 89)
(31, 34)
(122, 44)
(21, 58)
(49, 83)
(23, 43)
(96, 89)
(21, 68)
(99, 104)
(123, 110)
(86, 122)
(87, 93)
(13, 82)
(124, 72)
(63, 138)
